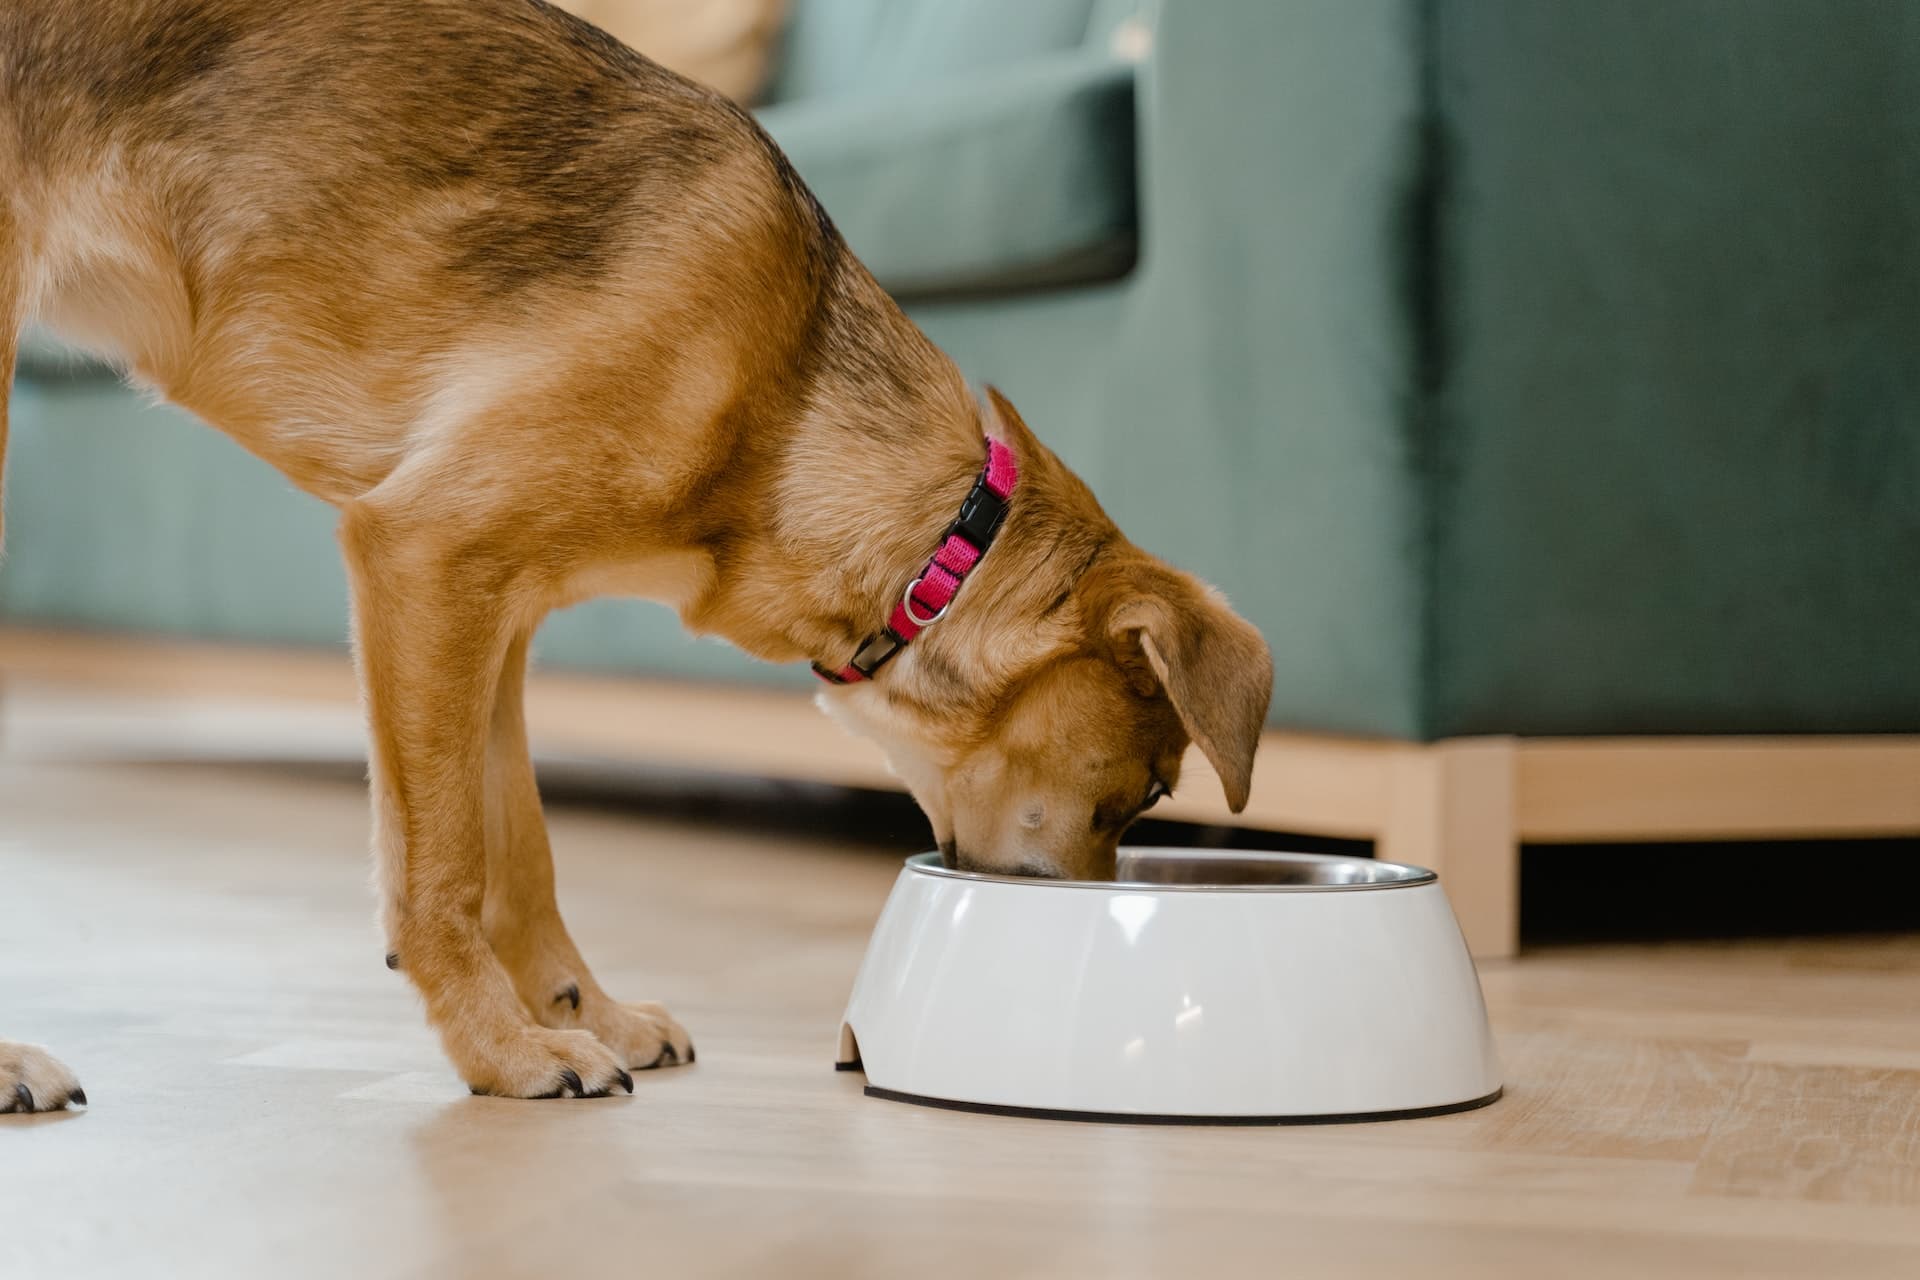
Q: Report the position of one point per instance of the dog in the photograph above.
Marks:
(544, 321)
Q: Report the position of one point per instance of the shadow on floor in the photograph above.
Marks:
(1569, 893)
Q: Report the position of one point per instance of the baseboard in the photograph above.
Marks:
(1564, 789)
(1462, 806)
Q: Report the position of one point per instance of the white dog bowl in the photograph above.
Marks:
(1202, 987)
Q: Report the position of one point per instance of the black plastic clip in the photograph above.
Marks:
(980, 515)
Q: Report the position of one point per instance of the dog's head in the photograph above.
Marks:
(1054, 706)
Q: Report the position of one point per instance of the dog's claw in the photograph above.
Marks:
(570, 1086)
(691, 1055)
(22, 1098)
(571, 995)
(669, 1057)
(78, 1097)
(393, 959)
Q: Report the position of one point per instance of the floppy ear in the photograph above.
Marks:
(1212, 663)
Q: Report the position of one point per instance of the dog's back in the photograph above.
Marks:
(308, 222)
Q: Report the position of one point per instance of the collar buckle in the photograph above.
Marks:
(980, 515)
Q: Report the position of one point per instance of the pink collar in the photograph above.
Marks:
(929, 596)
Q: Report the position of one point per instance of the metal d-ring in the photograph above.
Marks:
(906, 602)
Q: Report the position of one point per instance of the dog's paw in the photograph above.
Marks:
(551, 1064)
(31, 1079)
(644, 1034)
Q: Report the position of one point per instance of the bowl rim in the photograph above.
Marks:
(1404, 875)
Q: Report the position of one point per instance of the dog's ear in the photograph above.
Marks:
(1212, 663)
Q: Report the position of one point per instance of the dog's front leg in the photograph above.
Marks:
(522, 916)
(433, 620)
(31, 1079)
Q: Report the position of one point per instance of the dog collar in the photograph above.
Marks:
(929, 596)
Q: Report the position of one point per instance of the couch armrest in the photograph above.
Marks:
(1014, 177)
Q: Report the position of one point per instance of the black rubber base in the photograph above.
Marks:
(1124, 1117)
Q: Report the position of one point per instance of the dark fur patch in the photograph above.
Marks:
(941, 682)
(165, 59)
(550, 146)
(560, 129)
(1067, 592)
(123, 64)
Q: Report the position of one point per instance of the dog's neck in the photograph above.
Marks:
(899, 497)
(856, 487)
(859, 479)
(1006, 615)
(931, 595)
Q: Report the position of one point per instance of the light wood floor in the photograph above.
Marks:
(198, 942)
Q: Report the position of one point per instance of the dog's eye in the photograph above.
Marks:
(1155, 794)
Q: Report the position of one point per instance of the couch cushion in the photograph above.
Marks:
(847, 48)
(1023, 175)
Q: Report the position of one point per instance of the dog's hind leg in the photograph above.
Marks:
(432, 626)
(31, 1079)
(13, 314)
(522, 916)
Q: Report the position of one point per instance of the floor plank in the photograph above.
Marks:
(1812, 1132)
(197, 940)
(1613, 1097)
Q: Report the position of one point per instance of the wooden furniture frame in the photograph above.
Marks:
(1462, 806)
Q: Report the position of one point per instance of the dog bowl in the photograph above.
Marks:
(1197, 987)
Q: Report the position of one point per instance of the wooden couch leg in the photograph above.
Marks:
(1451, 808)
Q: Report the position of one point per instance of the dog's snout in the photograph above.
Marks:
(1034, 868)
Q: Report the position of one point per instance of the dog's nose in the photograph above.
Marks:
(1030, 868)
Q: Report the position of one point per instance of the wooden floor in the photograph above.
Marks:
(197, 941)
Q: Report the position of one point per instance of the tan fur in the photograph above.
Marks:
(542, 319)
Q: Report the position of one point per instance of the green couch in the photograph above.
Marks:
(1519, 368)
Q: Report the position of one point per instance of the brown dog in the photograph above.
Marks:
(544, 321)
